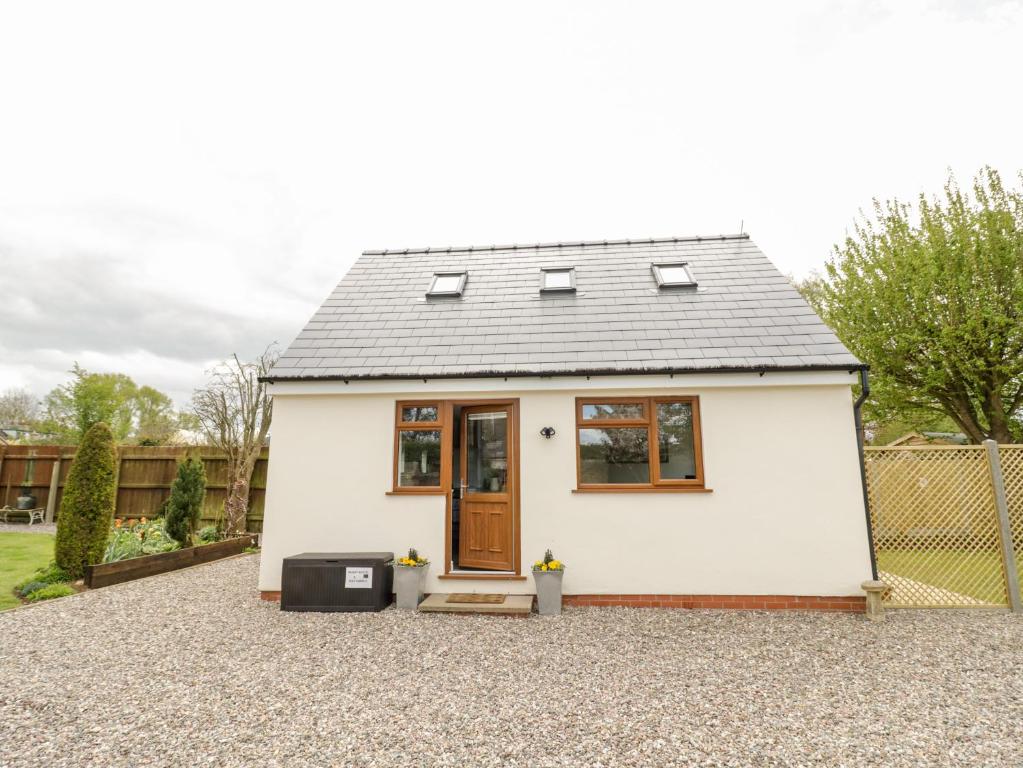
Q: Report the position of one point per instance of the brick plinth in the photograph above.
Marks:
(849, 604)
(853, 603)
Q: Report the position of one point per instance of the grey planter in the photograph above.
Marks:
(548, 592)
(409, 584)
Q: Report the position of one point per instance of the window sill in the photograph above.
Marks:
(410, 492)
(643, 490)
(484, 576)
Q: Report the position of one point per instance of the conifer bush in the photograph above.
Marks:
(184, 506)
(87, 507)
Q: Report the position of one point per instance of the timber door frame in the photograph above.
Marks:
(514, 473)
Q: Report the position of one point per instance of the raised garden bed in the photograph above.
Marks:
(105, 574)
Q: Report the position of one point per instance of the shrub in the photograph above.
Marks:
(184, 506)
(146, 537)
(208, 534)
(49, 592)
(31, 587)
(88, 503)
(51, 574)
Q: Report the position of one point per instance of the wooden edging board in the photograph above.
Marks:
(105, 574)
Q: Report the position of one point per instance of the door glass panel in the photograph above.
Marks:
(614, 455)
(418, 458)
(675, 441)
(486, 452)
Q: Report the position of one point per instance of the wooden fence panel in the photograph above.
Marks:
(20, 469)
(144, 478)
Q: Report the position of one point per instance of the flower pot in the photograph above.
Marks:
(548, 592)
(409, 586)
(27, 500)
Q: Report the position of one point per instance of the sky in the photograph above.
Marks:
(183, 181)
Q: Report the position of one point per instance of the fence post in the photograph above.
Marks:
(51, 500)
(1004, 530)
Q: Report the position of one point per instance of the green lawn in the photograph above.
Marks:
(977, 574)
(21, 554)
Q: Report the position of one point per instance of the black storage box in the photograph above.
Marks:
(337, 581)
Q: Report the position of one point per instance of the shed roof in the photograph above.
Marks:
(742, 315)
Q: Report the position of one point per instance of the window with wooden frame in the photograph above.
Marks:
(639, 443)
(419, 438)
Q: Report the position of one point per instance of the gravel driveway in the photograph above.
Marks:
(192, 669)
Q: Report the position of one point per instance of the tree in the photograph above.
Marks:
(87, 507)
(18, 408)
(89, 398)
(932, 300)
(142, 414)
(186, 498)
(234, 410)
(156, 423)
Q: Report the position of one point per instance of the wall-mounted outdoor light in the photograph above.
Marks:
(547, 432)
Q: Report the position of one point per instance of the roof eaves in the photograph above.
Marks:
(521, 373)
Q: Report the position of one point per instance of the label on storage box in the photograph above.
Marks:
(358, 578)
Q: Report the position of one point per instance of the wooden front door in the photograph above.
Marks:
(488, 477)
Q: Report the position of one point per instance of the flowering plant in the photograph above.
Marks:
(413, 560)
(549, 563)
(134, 538)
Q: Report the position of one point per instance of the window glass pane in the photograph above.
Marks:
(446, 283)
(418, 458)
(675, 441)
(614, 455)
(613, 411)
(557, 279)
(486, 458)
(674, 275)
(411, 413)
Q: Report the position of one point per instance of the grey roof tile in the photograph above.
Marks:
(743, 314)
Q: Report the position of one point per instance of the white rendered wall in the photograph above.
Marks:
(785, 515)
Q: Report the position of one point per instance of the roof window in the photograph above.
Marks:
(447, 284)
(554, 279)
(672, 274)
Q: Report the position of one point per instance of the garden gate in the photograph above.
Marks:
(948, 524)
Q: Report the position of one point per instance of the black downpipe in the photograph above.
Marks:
(858, 415)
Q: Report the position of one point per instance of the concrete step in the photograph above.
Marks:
(513, 605)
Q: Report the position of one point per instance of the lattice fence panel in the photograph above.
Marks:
(1012, 475)
(935, 526)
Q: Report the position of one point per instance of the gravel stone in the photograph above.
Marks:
(26, 528)
(192, 669)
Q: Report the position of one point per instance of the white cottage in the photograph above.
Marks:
(668, 416)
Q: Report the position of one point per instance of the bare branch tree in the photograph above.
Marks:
(234, 411)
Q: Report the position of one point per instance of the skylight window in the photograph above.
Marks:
(672, 275)
(447, 284)
(557, 279)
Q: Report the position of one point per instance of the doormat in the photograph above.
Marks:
(475, 598)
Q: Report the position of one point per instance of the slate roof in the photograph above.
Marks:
(744, 314)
